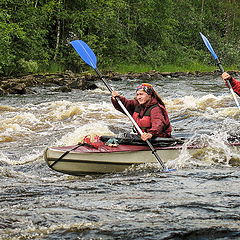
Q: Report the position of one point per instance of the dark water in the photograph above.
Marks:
(198, 201)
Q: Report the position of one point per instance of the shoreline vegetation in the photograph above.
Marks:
(67, 80)
(126, 36)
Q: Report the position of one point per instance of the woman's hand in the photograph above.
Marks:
(146, 136)
(226, 76)
(115, 94)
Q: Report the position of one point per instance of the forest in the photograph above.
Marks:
(35, 35)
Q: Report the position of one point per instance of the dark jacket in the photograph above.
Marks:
(159, 121)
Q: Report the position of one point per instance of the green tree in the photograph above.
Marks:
(36, 33)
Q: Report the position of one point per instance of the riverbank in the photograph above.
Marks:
(65, 82)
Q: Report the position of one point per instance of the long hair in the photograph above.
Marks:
(157, 96)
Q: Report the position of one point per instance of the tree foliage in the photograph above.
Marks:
(36, 33)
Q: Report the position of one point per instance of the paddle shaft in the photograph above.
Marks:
(88, 56)
(154, 152)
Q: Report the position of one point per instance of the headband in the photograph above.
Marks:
(148, 88)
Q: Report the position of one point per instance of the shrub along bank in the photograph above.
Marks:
(35, 35)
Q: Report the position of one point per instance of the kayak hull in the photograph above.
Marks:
(86, 160)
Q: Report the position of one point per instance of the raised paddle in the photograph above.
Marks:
(209, 47)
(88, 56)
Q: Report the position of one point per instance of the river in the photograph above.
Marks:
(198, 201)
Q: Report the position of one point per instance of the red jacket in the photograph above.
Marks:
(235, 85)
(152, 118)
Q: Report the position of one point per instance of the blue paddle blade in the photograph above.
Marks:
(85, 52)
(208, 45)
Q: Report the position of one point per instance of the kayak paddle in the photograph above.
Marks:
(88, 56)
(209, 47)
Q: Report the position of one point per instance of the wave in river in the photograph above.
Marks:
(65, 122)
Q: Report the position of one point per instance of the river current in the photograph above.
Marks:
(199, 201)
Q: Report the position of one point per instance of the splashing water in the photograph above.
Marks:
(90, 130)
(198, 201)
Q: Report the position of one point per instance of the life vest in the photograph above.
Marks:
(144, 121)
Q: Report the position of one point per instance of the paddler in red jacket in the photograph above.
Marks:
(234, 82)
(148, 110)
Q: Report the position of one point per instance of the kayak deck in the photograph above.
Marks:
(104, 159)
(98, 158)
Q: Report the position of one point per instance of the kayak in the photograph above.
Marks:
(90, 158)
(111, 155)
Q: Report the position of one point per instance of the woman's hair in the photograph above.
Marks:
(148, 88)
(157, 96)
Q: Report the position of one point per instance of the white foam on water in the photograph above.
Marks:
(197, 103)
(74, 113)
(19, 119)
(6, 108)
(3, 157)
(61, 110)
(214, 150)
(33, 232)
(149, 167)
(16, 125)
(220, 113)
(35, 159)
(102, 106)
(91, 130)
(26, 158)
